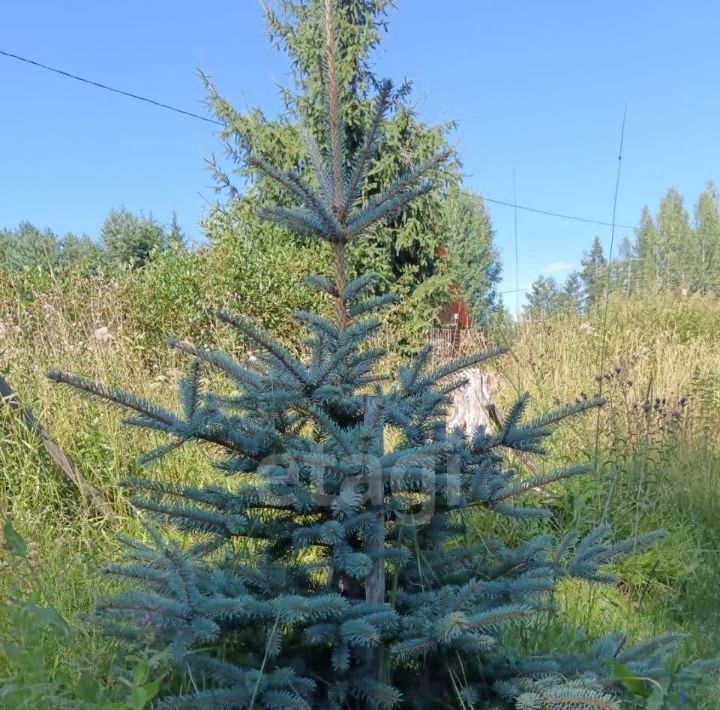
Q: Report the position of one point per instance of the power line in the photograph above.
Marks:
(548, 213)
(603, 345)
(517, 253)
(99, 85)
(190, 114)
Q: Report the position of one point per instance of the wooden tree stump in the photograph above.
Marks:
(472, 405)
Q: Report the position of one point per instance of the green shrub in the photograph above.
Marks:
(36, 669)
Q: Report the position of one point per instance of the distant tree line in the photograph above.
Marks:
(126, 239)
(670, 251)
(253, 265)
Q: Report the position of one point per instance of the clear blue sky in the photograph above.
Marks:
(538, 89)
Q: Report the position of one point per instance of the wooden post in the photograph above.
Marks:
(93, 496)
(375, 582)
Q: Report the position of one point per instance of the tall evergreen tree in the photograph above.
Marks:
(175, 235)
(129, 239)
(707, 235)
(79, 253)
(329, 571)
(624, 269)
(594, 273)
(571, 297)
(543, 297)
(673, 226)
(669, 252)
(28, 248)
(647, 251)
(474, 261)
(405, 251)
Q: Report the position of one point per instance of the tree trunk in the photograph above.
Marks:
(375, 582)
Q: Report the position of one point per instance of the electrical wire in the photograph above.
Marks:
(100, 85)
(197, 116)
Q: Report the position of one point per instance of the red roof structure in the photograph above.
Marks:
(455, 314)
(454, 317)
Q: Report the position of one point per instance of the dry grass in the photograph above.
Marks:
(654, 469)
(658, 453)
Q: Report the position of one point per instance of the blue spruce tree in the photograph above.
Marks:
(327, 569)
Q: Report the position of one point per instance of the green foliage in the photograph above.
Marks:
(129, 239)
(671, 692)
(582, 291)
(35, 636)
(249, 262)
(546, 298)
(673, 227)
(79, 253)
(474, 261)
(594, 274)
(30, 255)
(176, 286)
(262, 271)
(27, 248)
(706, 274)
(543, 297)
(656, 460)
(175, 235)
(667, 253)
(571, 296)
(404, 250)
(255, 271)
(326, 570)
(670, 252)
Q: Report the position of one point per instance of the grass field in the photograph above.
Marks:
(654, 446)
(655, 450)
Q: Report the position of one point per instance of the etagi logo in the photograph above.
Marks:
(409, 483)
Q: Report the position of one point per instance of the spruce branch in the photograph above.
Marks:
(293, 366)
(302, 222)
(322, 171)
(304, 194)
(367, 149)
(396, 197)
(118, 398)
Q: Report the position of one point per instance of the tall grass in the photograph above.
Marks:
(657, 464)
(57, 326)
